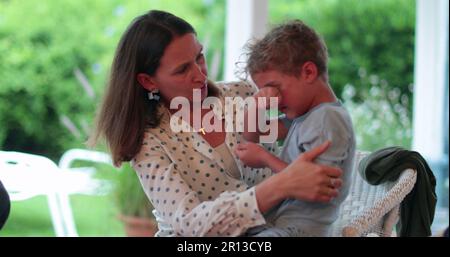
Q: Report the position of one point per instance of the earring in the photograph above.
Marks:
(153, 95)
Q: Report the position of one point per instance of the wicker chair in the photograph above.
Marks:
(372, 210)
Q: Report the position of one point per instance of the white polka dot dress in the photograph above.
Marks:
(187, 182)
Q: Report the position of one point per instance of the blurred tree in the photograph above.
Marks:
(54, 60)
(55, 55)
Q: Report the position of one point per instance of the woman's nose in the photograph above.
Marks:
(199, 74)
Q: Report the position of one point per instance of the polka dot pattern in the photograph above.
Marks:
(188, 184)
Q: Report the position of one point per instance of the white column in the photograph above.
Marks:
(430, 78)
(245, 19)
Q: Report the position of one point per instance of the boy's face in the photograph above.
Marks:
(296, 97)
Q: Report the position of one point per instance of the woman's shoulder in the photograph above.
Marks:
(236, 88)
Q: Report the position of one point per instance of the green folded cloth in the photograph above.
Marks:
(417, 209)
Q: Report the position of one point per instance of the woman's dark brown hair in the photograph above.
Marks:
(126, 111)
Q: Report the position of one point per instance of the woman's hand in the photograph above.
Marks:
(251, 154)
(308, 181)
(302, 180)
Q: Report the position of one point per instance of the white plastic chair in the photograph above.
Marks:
(27, 175)
(372, 210)
(91, 186)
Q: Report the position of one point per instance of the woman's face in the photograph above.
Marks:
(182, 69)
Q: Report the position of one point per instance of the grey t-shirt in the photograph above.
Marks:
(327, 121)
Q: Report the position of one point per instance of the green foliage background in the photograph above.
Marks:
(42, 43)
(129, 195)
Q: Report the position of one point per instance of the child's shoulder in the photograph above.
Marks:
(331, 117)
(327, 113)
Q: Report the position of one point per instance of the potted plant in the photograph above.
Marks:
(134, 206)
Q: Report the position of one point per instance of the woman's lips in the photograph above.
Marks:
(204, 88)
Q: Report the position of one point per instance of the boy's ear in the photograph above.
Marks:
(146, 81)
(309, 71)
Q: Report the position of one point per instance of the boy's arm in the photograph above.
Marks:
(256, 156)
(275, 163)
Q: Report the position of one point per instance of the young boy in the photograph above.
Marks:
(290, 63)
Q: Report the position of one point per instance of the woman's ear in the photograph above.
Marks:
(146, 81)
(309, 71)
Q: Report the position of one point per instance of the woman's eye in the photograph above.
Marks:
(182, 70)
(201, 57)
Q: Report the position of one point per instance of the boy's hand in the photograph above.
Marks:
(251, 154)
(267, 92)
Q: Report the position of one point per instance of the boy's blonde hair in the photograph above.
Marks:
(286, 48)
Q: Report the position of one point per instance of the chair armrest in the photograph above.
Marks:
(391, 201)
(83, 155)
(84, 182)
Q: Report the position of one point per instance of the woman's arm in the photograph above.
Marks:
(302, 180)
(179, 206)
(274, 163)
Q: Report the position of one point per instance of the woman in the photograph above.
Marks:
(194, 181)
